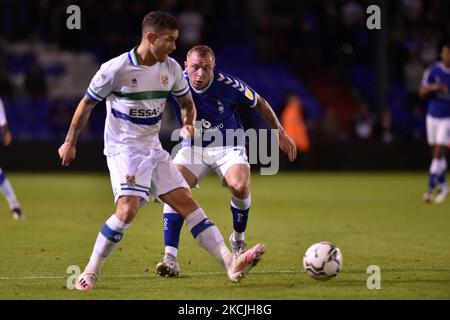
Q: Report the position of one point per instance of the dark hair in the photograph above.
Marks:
(445, 44)
(202, 51)
(158, 20)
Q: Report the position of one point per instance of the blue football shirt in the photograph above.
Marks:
(217, 106)
(438, 102)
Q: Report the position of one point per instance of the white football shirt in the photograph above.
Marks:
(3, 120)
(135, 99)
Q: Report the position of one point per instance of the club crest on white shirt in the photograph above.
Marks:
(164, 80)
(131, 180)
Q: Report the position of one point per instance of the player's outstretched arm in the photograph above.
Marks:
(67, 151)
(269, 116)
(188, 113)
(424, 91)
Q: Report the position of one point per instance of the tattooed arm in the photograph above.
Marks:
(269, 116)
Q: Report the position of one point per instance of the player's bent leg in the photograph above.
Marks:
(237, 178)
(207, 234)
(7, 190)
(172, 224)
(442, 181)
(108, 238)
(127, 208)
(187, 174)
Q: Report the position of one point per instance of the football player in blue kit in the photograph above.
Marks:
(217, 96)
(435, 86)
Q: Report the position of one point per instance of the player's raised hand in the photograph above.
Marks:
(7, 137)
(188, 131)
(67, 153)
(440, 87)
(288, 146)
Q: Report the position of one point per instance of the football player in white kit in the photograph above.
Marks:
(135, 85)
(5, 186)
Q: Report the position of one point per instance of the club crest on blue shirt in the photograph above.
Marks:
(164, 80)
(220, 106)
(134, 83)
(131, 180)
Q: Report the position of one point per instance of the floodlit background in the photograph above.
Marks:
(356, 88)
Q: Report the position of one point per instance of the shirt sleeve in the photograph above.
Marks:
(428, 77)
(246, 94)
(102, 83)
(3, 120)
(180, 86)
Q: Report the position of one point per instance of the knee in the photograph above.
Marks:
(127, 209)
(239, 190)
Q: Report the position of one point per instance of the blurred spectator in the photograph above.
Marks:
(294, 124)
(329, 130)
(413, 70)
(60, 117)
(364, 122)
(386, 124)
(6, 89)
(418, 127)
(35, 83)
(191, 23)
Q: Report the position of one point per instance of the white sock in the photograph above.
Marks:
(171, 250)
(9, 194)
(242, 204)
(208, 237)
(442, 164)
(434, 167)
(107, 239)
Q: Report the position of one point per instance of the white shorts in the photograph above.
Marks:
(144, 175)
(438, 131)
(202, 161)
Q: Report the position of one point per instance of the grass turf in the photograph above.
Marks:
(375, 219)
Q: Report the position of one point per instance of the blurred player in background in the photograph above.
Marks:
(435, 86)
(217, 96)
(5, 186)
(135, 85)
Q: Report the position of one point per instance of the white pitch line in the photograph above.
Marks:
(139, 275)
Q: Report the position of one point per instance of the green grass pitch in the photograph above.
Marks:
(375, 219)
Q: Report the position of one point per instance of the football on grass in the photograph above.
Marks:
(322, 260)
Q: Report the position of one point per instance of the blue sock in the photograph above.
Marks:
(432, 183)
(2, 176)
(441, 178)
(239, 210)
(173, 223)
(240, 218)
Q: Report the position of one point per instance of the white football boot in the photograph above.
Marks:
(428, 197)
(86, 281)
(441, 195)
(245, 261)
(169, 267)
